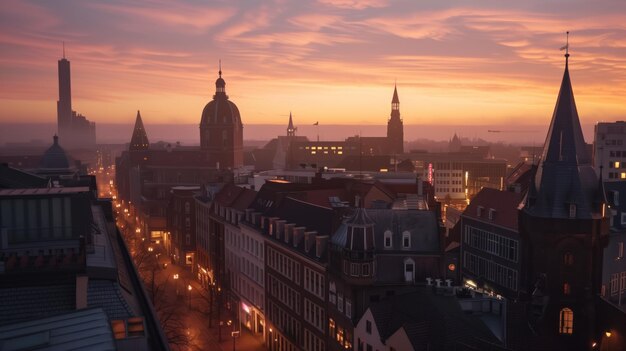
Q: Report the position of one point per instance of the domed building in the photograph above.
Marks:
(55, 161)
(221, 130)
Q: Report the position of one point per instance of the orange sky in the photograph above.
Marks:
(333, 61)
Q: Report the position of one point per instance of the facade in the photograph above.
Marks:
(75, 129)
(181, 225)
(614, 264)
(609, 150)
(491, 247)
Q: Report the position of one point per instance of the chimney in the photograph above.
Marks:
(320, 245)
(309, 240)
(289, 232)
(298, 233)
(256, 218)
(82, 282)
(280, 229)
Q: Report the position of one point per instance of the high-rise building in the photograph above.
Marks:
(76, 131)
(609, 150)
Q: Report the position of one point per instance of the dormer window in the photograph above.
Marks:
(572, 210)
(406, 240)
(492, 214)
(479, 211)
(388, 239)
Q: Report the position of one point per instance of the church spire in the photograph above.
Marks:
(291, 131)
(565, 180)
(139, 140)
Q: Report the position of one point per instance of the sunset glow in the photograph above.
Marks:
(333, 61)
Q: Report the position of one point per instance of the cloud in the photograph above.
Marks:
(355, 4)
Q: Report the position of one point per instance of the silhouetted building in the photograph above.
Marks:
(181, 224)
(75, 129)
(139, 140)
(332, 153)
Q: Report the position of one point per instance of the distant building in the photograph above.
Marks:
(181, 225)
(609, 150)
(614, 263)
(75, 129)
(146, 172)
(331, 153)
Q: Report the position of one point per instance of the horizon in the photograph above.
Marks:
(485, 63)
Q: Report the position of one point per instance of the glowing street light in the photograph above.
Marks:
(189, 289)
(150, 249)
(176, 282)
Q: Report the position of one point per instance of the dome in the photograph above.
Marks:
(55, 157)
(220, 111)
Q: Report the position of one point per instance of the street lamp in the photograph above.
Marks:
(150, 249)
(189, 288)
(176, 283)
(270, 339)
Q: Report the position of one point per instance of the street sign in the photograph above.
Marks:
(235, 334)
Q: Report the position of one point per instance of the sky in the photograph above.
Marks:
(332, 61)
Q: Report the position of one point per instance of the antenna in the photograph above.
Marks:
(63, 49)
(567, 43)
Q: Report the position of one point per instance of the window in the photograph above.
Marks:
(620, 250)
(368, 347)
(332, 293)
(568, 259)
(365, 270)
(187, 207)
(566, 321)
(368, 327)
(340, 302)
(388, 241)
(492, 213)
(479, 211)
(348, 308)
(406, 240)
(566, 289)
(119, 329)
(135, 326)
(354, 269)
(572, 210)
(409, 267)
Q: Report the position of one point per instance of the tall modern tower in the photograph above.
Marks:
(75, 130)
(64, 104)
(395, 127)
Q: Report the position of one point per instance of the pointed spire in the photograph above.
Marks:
(291, 131)
(395, 95)
(565, 180)
(139, 140)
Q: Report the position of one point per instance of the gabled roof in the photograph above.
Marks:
(505, 204)
(228, 194)
(15, 178)
(565, 176)
(139, 140)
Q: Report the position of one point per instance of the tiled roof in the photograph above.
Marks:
(28, 302)
(505, 204)
(108, 296)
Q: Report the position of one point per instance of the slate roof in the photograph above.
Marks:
(421, 225)
(18, 304)
(86, 329)
(55, 157)
(323, 220)
(427, 317)
(107, 295)
(506, 204)
(565, 175)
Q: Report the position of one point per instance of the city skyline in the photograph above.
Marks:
(487, 63)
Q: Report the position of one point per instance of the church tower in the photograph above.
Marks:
(395, 128)
(139, 140)
(291, 130)
(564, 227)
(221, 130)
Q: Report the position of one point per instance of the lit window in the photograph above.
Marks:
(616, 164)
(313, 152)
(566, 321)
(340, 152)
(623, 175)
(135, 326)
(119, 329)
(566, 289)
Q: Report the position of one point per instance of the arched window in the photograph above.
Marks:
(568, 258)
(566, 321)
(388, 239)
(409, 270)
(406, 239)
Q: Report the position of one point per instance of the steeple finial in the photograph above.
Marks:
(63, 49)
(566, 48)
(220, 71)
